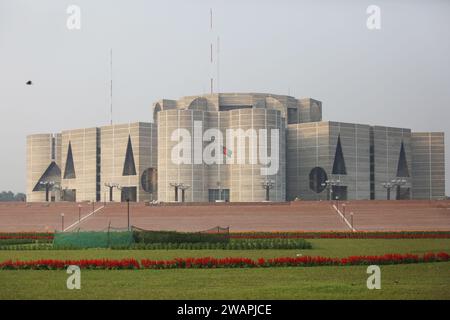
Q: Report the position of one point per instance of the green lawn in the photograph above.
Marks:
(414, 281)
(421, 281)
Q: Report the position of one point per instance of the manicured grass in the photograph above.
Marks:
(420, 281)
(321, 247)
(412, 281)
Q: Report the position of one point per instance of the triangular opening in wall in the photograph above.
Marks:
(339, 162)
(51, 174)
(69, 170)
(129, 168)
(402, 168)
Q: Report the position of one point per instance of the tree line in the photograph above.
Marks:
(11, 196)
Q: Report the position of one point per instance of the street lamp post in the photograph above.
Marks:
(79, 213)
(111, 186)
(176, 186)
(351, 219)
(128, 213)
(267, 185)
(388, 187)
(48, 186)
(183, 188)
(62, 222)
(398, 182)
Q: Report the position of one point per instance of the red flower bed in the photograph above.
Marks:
(103, 264)
(209, 262)
(342, 235)
(27, 235)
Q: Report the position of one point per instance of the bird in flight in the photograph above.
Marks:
(29, 83)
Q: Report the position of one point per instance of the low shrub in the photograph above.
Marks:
(177, 237)
(258, 244)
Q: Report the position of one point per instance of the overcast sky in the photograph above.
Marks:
(396, 76)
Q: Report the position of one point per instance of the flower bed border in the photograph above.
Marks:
(230, 262)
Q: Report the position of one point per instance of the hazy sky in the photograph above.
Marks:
(396, 76)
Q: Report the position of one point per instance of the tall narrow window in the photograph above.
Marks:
(402, 168)
(69, 171)
(339, 162)
(129, 168)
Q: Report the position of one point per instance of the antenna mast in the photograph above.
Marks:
(111, 87)
(211, 50)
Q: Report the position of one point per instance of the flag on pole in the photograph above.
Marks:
(227, 152)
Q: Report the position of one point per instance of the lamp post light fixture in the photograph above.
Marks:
(48, 186)
(183, 188)
(388, 187)
(111, 186)
(398, 182)
(329, 184)
(176, 185)
(267, 185)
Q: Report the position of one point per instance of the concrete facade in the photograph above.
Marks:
(313, 145)
(387, 148)
(79, 166)
(116, 140)
(428, 165)
(43, 165)
(228, 153)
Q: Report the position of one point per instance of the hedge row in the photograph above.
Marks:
(257, 244)
(178, 237)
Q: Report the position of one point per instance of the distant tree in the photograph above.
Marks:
(10, 196)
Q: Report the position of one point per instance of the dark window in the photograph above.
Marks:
(372, 164)
(129, 168)
(149, 180)
(69, 171)
(216, 194)
(228, 108)
(53, 148)
(339, 192)
(129, 193)
(339, 162)
(317, 177)
(292, 116)
(403, 193)
(402, 168)
(51, 174)
(69, 195)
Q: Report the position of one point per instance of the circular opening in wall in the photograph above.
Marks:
(317, 177)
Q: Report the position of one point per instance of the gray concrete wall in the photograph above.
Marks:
(387, 144)
(313, 145)
(428, 165)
